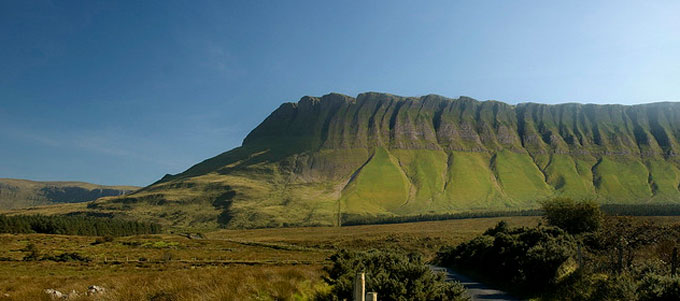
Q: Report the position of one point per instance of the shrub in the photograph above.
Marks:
(619, 287)
(588, 286)
(393, 276)
(64, 257)
(659, 288)
(621, 239)
(103, 239)
(33, 253)
(528, 260)
(571, 216)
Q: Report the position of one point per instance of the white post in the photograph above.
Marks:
(360, 287)
(371, 296)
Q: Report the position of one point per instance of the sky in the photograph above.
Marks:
(123, 92)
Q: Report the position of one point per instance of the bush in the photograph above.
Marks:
(659, 288)
(571, 216)
(64, 257)
(619, 287)
(588, 286)
(393, 276)
(622, 239)
(103, 239)
(526, 260)
(33, 253)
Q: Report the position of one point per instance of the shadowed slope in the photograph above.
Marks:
(16, 193)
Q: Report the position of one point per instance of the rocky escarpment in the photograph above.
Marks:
(381, 154)
(464, 124)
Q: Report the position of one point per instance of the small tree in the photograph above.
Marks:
(573, 217)
(33, 253)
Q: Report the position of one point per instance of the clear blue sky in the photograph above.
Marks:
(122, 93)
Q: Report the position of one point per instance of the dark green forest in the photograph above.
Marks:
(75, 225)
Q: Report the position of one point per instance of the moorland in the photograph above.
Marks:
(257, 264)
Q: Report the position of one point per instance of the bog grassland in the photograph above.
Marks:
(260, 264)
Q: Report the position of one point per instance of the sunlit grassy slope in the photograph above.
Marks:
(379, 186)
(622, 180)
(570, 177)
(478, 189)
(664, 180)
(520, 177)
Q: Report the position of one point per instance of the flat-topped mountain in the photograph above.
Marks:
(16, 193)
(385, 155)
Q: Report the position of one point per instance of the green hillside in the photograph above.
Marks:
(16, 193)
(322, 158)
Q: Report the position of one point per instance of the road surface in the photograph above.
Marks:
(477, 291)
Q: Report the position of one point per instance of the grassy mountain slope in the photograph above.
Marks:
(379, 186)
(472, 190)
(570, 177)
(16, 193)
(379, 154)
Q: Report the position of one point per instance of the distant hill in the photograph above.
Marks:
(16, 193)
(384, 155)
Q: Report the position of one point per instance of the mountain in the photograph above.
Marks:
(16, 193)
(385, 155)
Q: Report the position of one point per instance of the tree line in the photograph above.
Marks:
(75, 225)
(349, 219)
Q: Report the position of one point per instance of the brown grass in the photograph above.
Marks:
(236, 282)
(424, 237)
(262, 264)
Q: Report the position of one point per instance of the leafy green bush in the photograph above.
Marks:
(659, 288)
(571, 216)
(528, 260)
(588, 286)
(393, 276)
(619, 287)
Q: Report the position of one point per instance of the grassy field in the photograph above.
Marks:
(259, 264)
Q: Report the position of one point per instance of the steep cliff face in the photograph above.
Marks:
(381, 154)
(15, 193)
